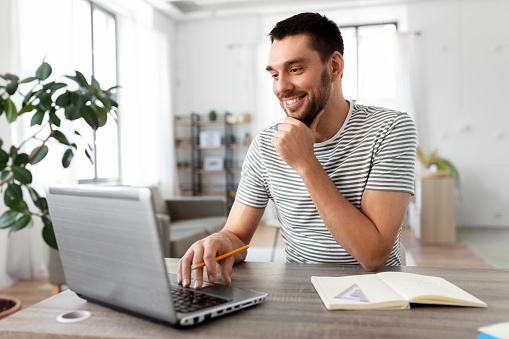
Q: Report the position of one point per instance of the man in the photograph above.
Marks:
(340, 174)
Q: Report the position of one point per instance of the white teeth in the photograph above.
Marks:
(291, 102)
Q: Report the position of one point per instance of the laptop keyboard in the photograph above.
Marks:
(191, 300)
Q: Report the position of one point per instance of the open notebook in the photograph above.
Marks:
(111, 253)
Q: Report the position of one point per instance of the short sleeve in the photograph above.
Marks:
(252, 190)
(393, 163)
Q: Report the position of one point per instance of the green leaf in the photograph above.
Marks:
(38, 154)
(72, 113)
(67, 158)
(61, 138)
(22, 175)
(105, 101)
(10, 110)
(11, 77)
(11, 87)
(48, 234)
(18, 205)
(8, 218)
(43, 72)
(4, 157)
(4, 174)
(90, 117)
(112, 88)
(22, 222)
(54, 86)
(81, 80)
(102, 114)
(33, 194)
(19, 159)
(26, 109)
(89, 156)
(42, 204)
(27, 80)
(28, 97)
(37, 118)
(64, 99)
(45, 101)
(13, 191)
(95, 84)
(53, 118)
(77, 99)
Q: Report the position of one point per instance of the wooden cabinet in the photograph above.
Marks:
(433, 216)
(210, 154)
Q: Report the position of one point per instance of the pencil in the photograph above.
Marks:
(222, 257)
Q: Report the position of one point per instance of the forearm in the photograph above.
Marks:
(351, 228)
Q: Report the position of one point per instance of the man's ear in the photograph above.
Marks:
(337, 66)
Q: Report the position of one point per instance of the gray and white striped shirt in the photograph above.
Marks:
(373, 150)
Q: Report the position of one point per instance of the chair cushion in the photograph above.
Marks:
(184, 233)
(209, 224)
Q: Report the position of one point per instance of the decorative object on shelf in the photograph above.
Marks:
(210, 138)
(48, 102)
(213, 163)
(437, 166)
(212, 115)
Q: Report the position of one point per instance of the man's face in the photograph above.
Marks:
(301, 81)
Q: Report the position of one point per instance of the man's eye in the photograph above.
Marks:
(294, 70)
(273, 76)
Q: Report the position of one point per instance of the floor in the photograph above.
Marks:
(475, 248)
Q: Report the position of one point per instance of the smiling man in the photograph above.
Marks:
(340, 174)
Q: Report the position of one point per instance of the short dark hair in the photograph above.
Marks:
(324, 33)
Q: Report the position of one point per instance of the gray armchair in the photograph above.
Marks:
(184, 220)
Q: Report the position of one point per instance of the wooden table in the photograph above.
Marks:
(292, 310)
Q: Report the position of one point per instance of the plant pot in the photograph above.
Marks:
(8, 306)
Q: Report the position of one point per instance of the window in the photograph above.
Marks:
(95, 50)
(371, 54)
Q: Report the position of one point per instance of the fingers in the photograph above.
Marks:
(227, 269)
(198, 273)
(204, 251)
(184, 268)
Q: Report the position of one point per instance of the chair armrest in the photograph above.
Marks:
(182, 208)
(163, 224)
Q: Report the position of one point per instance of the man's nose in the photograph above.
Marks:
(283, 84)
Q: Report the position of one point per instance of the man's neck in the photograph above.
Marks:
(333, 118)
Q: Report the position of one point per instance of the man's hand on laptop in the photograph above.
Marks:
(206, 251)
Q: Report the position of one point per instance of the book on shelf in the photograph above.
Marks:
(389, 290)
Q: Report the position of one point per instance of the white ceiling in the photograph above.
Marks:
(191, 9)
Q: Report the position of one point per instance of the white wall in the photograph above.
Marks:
(461, 105)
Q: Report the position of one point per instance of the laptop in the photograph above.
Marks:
(112, 254)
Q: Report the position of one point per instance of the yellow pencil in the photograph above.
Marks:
(222, 257)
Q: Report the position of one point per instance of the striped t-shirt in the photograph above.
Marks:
(373, 150)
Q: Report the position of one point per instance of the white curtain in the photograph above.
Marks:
(22, 254)
(145, 106)
(145, 115)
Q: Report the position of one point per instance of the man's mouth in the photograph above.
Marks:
(291, 103)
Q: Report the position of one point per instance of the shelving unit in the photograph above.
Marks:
(210, 155)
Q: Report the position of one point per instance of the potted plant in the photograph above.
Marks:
(8, 306)
(48, 103)
(212, 115)
(437, 166)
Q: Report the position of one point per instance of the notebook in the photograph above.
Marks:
(112, 254)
